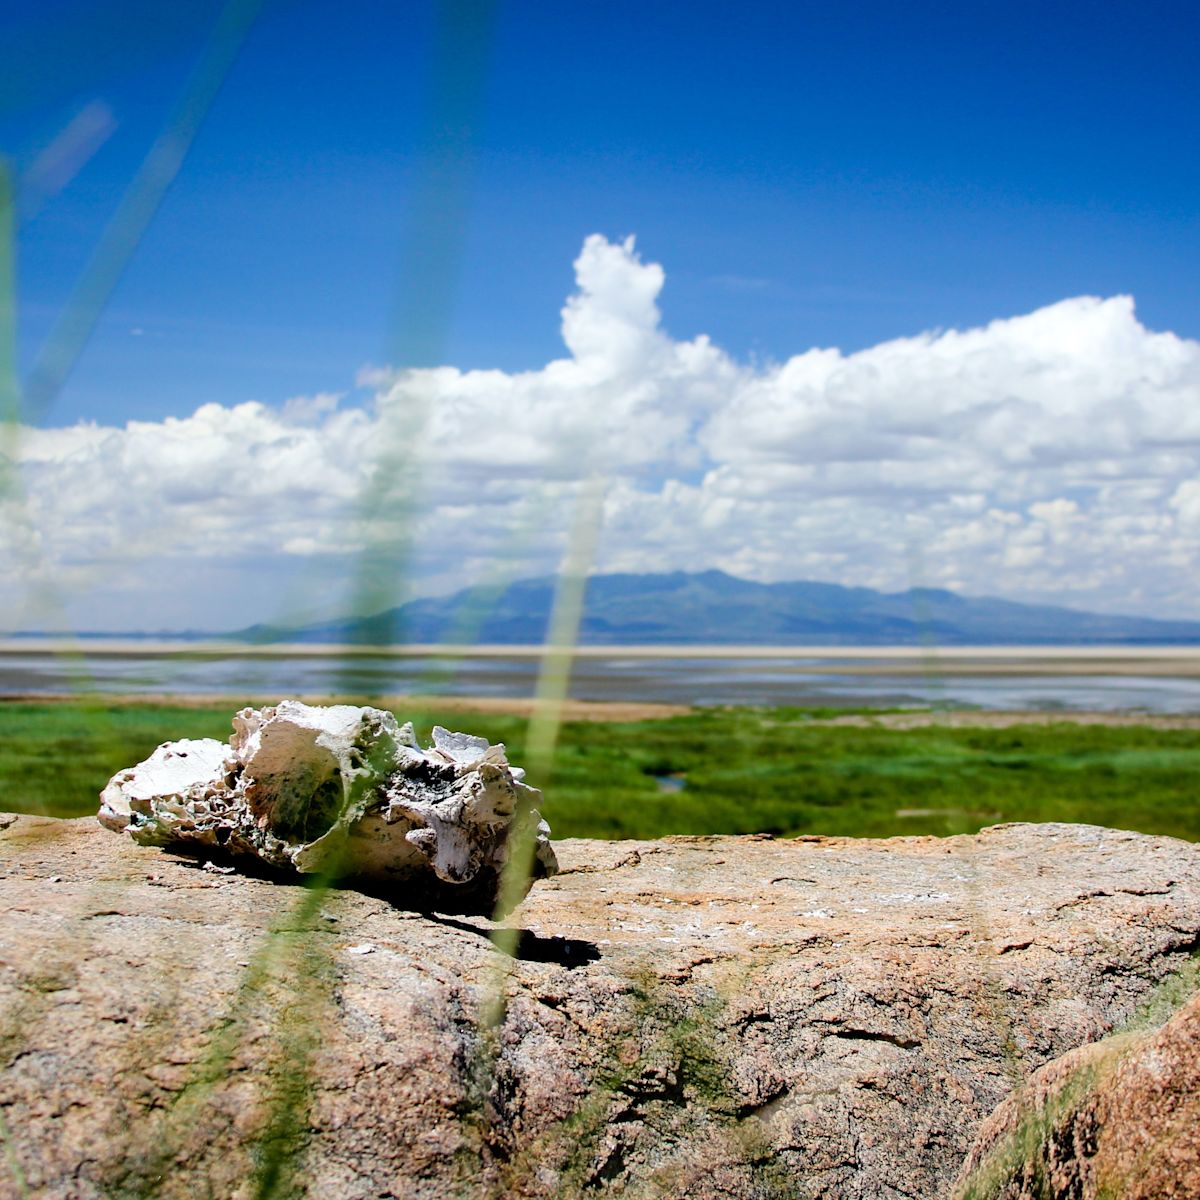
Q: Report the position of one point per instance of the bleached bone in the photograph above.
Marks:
(340, 791)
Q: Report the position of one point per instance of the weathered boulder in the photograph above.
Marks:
(1119, 1117)
(344, 792)
(699, 1017)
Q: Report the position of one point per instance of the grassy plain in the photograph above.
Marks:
(745, 770)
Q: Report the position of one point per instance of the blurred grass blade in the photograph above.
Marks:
(931, 665)
(10, 393)
(66, 156)
(386, 504)
(554, 679)
(136, 210)
(562, 637)
(428, 279)
(12, 1162)
(432, 249)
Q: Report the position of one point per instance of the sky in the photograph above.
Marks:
(378, 299)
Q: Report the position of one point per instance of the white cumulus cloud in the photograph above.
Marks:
(1047, 456)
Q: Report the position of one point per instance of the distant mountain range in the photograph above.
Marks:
(717, 609)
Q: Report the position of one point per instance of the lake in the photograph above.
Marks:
(1158, 679)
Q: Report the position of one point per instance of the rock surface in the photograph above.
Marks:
(1116, 1118)
(695, 1017)
(345, 792)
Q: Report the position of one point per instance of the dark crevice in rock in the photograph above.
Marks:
(876, 1035)
(1190, 946)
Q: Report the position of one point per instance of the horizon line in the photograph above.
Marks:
(118, 646)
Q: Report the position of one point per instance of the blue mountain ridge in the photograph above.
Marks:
(713, 608)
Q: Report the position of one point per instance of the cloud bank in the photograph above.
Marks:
(1048, 456)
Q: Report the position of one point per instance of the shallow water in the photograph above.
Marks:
(703, 681)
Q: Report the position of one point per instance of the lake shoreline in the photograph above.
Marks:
(1164, 661)
(1160, 679)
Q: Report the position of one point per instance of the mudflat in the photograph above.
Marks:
(506, 706)
(1163, 661)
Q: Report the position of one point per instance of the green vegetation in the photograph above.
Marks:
(737, 770)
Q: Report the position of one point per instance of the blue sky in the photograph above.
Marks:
(911, 300)
(810, 174)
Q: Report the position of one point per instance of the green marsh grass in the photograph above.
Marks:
(744, 770)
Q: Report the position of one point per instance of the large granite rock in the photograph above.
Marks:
(697, 1017)
(1115, 1118)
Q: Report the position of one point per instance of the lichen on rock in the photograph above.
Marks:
(339, 791)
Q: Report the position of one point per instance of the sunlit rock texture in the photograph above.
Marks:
(696, 1018)
(338, 791)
